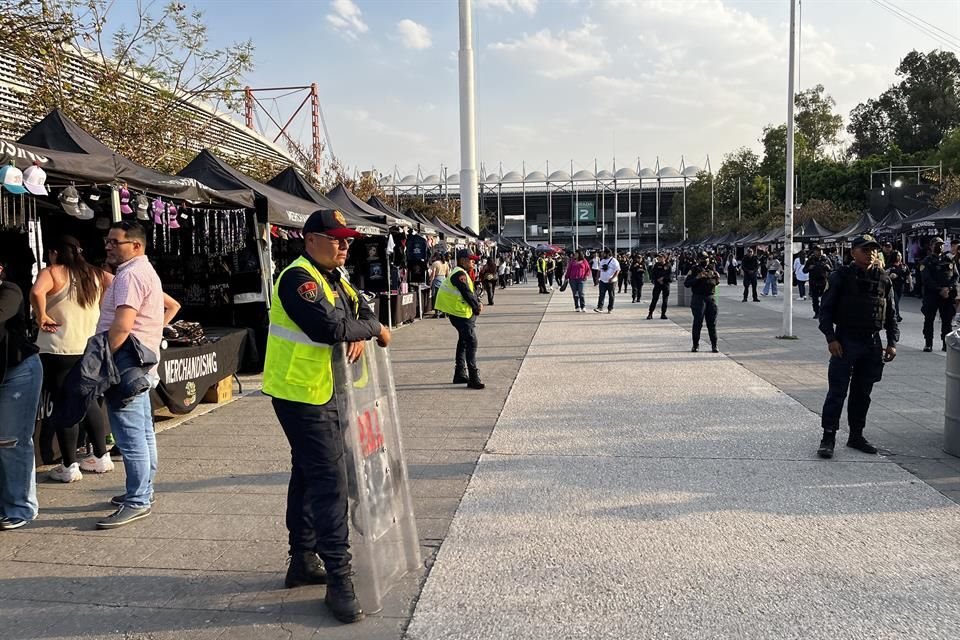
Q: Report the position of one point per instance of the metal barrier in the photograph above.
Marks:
(951, 414)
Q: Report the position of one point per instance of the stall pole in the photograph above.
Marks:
(523, 188)
(115, 203)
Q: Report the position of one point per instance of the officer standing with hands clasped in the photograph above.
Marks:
(857, 305)
(702, 282)
(458, 300)
(314, 312)
(939, 275)
(661, 276)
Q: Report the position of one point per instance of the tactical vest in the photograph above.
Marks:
(861, 300)
(296, 368)
(938, 272)
(449, 299)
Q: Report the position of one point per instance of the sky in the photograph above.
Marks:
(568, 80)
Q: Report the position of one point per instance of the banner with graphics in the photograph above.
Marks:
(383, 531)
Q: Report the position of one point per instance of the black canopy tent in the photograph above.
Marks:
(448, 231)
(947, 218)
(348, 202)
(862, 225)
(290, 181)
(811, 231)
(773, 236)
(101, 165)
(272, 205)
(377, 203)
(890, 224)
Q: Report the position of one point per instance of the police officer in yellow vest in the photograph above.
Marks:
(314, 309)
(542, 273)
(458, 300)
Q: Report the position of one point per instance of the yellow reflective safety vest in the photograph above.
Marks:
(296, 368)
(449, 299)
(541, 265)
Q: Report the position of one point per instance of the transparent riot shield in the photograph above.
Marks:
(383, 531)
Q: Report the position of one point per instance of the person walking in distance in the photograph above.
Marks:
(638, 271)
(489, 277)
(857, 306)
(702, 280)
(818, 267)
(609, 271)
(458, 300)
(578, 270)
(800, 275)
(750, 266)
(623, 280)
(773, 276)
(134, 306)
(558, 269)
(542, 273)
(316, 315)
(939, 275)
(595, 268)
(661, 276)
(899, 274)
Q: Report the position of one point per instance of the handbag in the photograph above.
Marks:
(563, 287)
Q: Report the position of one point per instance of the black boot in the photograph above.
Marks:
(663, 316)
(943, 344)
(695, 348)
(928, 346)
(305, 568)
(341, 599)
(460, 377)
(650, 316)
(827, 443)
(857, 441)
(713, 348)
(474, 381)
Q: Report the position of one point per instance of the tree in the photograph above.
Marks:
(698, 208)
(774, 163)
(738, 170)
(816, 122)
(826, 213)
(949, 152)
(916, 113)
(168, 49)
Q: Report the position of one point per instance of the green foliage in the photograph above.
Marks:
(816, 122)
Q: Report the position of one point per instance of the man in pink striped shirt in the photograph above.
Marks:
(132, 306)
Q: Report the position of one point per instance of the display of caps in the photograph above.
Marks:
(12, 179)
(125, 207)
(172, 221)
(84, 212)
(143, 207)
(70, 201)
(35, 180)
(159, 209)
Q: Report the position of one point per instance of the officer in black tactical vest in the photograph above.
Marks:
(857, 305)
(819, 268)
(939, 275)
(702, 282)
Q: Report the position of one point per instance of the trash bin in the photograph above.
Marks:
(951, 413)
(683, 294)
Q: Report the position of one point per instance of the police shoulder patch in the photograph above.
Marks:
(308, 291)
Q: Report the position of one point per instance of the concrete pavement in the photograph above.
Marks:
(632, 489)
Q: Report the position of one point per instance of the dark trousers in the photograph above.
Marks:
(466, 343)
(636, 284)
(502, 278)
(596, 276)
(704, 307)
(860, 366)
(490, 287)
(658, 291)
(550, 277)
(816, 292)
(605, 288)
(317, 494)
(750, 283)
(542, 282)
(622, 282)
(732, 276)
(934, 303)
(94, 424)
(897, 295)
(802, 287)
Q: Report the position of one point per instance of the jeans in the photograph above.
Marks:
(318, 489)
(576, 286)
(466, 343)
(19, 401)
(605, 288)
(802, 286)
(132, 427)
(771, 281)
(859, 368)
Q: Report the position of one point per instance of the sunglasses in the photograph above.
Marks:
(349, 241)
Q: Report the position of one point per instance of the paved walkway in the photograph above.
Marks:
(682, 501)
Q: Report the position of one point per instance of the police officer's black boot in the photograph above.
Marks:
(857, 441)
(928, 346)
(827, 443)
(305, 568)
(696, 348)
(474, 381)
(460, 377)
(650, 316)
(341, 599)
(943, 344)
(713, 348)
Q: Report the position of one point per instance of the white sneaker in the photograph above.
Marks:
(66, 474)
(93, 464)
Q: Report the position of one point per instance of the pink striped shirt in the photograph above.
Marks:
(138, 286)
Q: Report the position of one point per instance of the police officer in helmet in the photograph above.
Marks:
(314, 313)
(702, 282)
(939, 275)
(856, 306)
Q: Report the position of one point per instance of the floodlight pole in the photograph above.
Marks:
(788, 206)
(469, 204)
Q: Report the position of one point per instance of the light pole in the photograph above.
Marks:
(788, 206)
(469, 204)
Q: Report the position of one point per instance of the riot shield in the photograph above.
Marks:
(383, 531)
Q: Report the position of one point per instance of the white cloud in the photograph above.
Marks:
(413, 35)
(566, 54)
(526, 6)
(347, 18)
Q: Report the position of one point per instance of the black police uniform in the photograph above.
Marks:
(939, 272)
(660, 276)
(750, 266)
(819, 268)
(317, 494)
(702, 282)
(857, 305)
